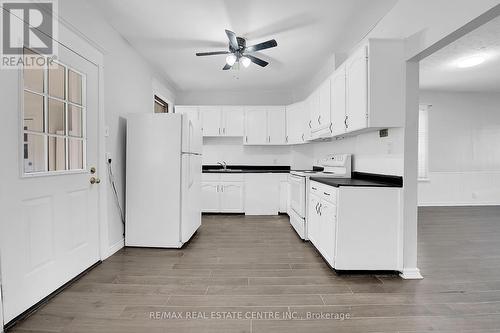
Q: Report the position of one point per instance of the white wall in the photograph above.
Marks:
(464, 157)
(232, 151)
(234, 97)
(371, 152)
(128, 88)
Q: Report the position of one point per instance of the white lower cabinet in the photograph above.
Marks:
(232, 197)
(210, 197)
(356, 228)
(223, 193)
(249, 193)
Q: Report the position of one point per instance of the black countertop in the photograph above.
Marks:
(362, 179)
(246, 169)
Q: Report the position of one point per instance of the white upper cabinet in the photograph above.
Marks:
(338, 96)
(222, 120)
(233, 121)
(324, 116)
(276, 125)
(211, 119)
(256, 126)
(296, 123)
(372, 80)
(265, 125)
(357, 91)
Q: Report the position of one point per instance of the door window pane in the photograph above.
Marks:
(32, 72)
(74, 87)
(75, 121)
(33, 153)
(57, 75)
(57, 154)
(33, 112)
(56, 117)
(75, 153)
(54, 112)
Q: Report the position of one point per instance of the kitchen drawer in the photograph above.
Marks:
(326, 192)
(210, 177)
(239, 177)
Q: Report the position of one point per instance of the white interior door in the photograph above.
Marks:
(49, 227)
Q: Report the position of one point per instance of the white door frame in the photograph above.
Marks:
(84, 47)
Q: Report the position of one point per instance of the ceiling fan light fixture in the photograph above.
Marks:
(245, 61)
(230, 59)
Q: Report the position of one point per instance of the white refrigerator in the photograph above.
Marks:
(163, 179)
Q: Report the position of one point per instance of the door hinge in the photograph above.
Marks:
(286, 138)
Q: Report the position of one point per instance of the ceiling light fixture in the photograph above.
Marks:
(470, 61)
(245, 61)
(231, 59)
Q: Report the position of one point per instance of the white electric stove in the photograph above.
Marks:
(333, 166)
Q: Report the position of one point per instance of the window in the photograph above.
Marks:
(53, 114)
(160, 105)
(423, 142)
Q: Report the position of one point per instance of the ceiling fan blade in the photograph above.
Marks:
(262, 46)
(233, 42)
(257, 61)
(226, 67)
(201, 54)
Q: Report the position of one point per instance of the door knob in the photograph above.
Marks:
(94, 180)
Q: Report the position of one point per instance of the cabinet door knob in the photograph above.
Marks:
(345, 121)
(310, 121)
(319, 120)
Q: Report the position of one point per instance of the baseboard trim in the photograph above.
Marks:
(114, 248)
(411, 274)
(457, 204)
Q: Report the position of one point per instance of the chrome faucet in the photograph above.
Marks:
(223, 164)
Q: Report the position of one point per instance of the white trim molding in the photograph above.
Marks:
(113, 249)
(411, 274)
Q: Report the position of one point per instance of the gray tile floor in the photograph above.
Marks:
(246, 274)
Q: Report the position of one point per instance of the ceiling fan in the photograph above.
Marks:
(238, 51)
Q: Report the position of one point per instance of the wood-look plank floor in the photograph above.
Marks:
(257, 266)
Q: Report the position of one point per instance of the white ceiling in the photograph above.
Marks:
(439, 71)
(168, 33)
